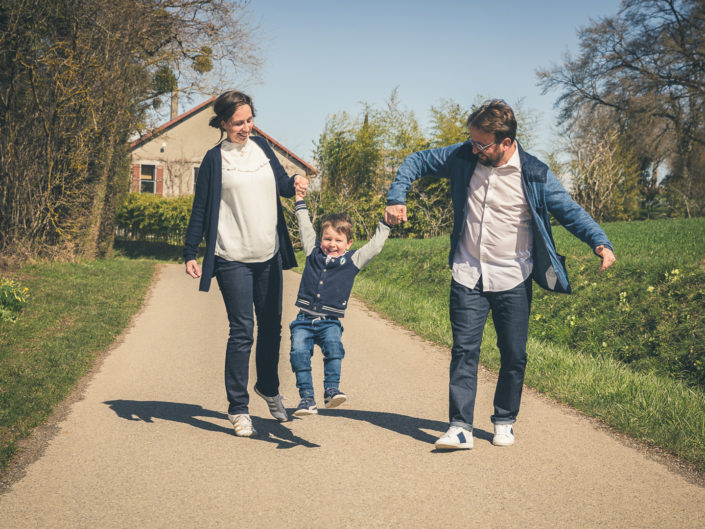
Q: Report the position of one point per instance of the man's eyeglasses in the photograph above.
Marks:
(480, 147)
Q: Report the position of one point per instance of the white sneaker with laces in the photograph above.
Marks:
(276, 408)
(242, 423)
(456, 438)
(503, 435)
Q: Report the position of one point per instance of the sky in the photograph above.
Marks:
(323, 57)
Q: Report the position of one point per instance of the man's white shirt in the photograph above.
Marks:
(497, 235)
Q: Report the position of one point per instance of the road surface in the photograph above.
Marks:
(147, 443)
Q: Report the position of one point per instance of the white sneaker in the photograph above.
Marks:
(242, 424)
(456, 438)
(503, 435)
(276, 408)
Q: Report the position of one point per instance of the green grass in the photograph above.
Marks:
(75, 311)
(633, 360)
(646, 311)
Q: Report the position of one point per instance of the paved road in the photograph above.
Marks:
(149, 444)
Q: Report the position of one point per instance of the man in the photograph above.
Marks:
(501, 239)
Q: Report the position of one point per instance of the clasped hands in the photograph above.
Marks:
(395, 214)
(300, 186)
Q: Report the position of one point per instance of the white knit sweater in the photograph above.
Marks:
(247, 219)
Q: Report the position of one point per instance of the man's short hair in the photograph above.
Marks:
(494, 116)
(340, 222)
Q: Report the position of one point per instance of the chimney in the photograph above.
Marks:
(174, 104)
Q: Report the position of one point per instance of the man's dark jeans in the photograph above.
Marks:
(469, 308)
(242, 285)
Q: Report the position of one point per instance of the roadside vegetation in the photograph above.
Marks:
(627, 347)
(72, 313)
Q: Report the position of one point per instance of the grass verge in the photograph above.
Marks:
(579, 346)
(75, 311)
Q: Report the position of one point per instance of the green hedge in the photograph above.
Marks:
(150, 217)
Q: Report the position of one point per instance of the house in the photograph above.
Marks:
(165, 161)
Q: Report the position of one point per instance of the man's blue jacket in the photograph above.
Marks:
(543, 192)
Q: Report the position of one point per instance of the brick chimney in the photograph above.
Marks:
(174, 105)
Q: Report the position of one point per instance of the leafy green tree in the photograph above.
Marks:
(449, 123)
(348, 156)
(358, 159)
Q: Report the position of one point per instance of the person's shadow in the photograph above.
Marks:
(273, 431)
(413, 427)
(194, 415)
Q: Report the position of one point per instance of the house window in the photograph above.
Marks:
(195, 177)
(147, 178)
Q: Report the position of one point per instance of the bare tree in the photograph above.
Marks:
(603, 176)
(647, 66)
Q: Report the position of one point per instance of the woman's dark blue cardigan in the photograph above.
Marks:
(206, 205)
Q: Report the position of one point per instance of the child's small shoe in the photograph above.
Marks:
(307, 406)
(333, 397)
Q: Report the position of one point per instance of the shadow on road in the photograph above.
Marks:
(147, 410)
(403, 424)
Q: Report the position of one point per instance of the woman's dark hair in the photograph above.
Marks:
(226, 105)
(495, 117)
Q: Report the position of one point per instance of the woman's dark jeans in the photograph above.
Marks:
(242, 286)
(469, 308)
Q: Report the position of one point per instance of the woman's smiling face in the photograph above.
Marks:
(240, 124)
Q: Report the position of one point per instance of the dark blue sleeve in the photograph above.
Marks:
(197, 222)
(431, 162)
(572, 216)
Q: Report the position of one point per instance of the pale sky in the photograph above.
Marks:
(322, 57)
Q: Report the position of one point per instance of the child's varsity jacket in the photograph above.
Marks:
(325, 286)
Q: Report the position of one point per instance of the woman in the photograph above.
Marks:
(237, 208)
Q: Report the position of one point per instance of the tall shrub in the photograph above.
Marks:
(150, 217)
(77, 80)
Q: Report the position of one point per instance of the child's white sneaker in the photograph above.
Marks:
(456, 438)
(503, 435)
(242, 423)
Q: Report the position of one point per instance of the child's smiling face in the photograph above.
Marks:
(334, 243)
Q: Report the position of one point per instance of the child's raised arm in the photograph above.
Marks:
(365, 254)
(308, 234)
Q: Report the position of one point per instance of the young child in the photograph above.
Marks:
(326, 283)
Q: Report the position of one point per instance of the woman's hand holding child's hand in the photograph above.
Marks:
(300, 186)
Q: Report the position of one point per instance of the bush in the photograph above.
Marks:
(12, 299)
(151, 217)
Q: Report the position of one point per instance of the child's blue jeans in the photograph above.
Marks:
(308, 330)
